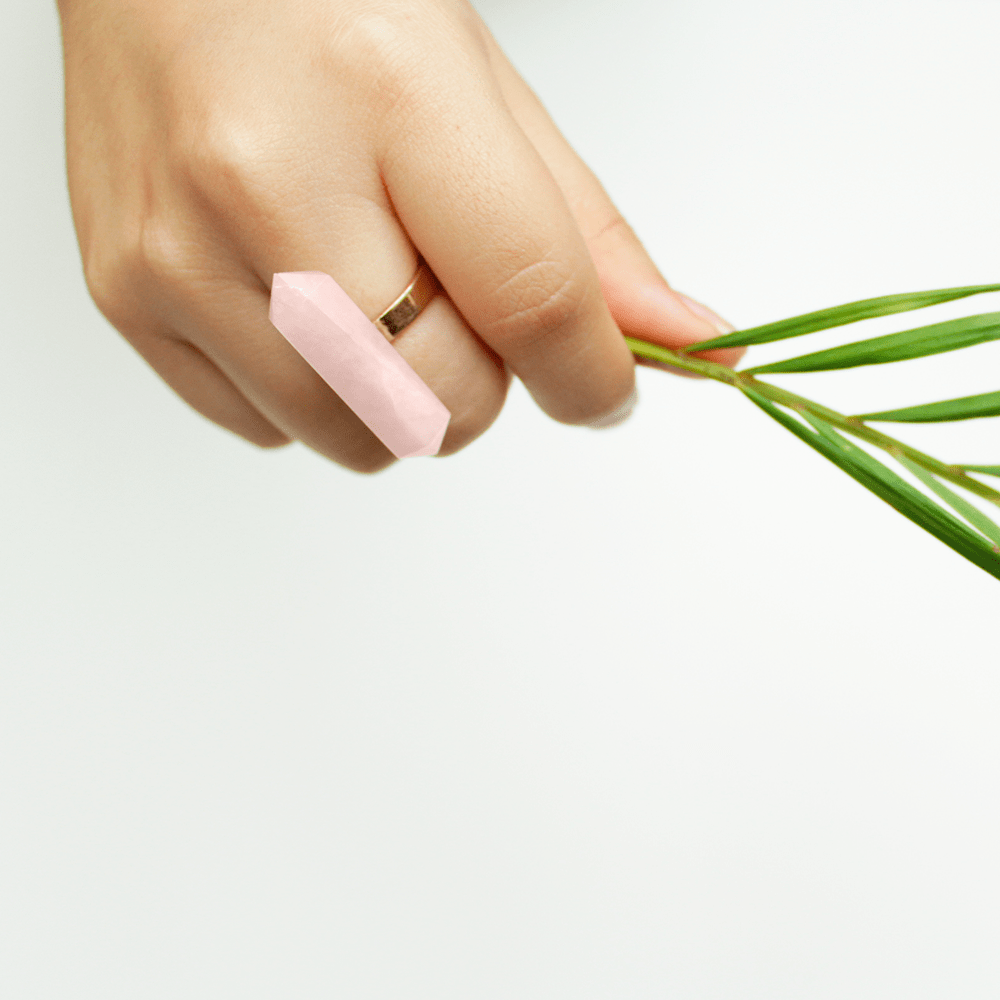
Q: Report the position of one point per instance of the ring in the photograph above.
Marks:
(342, 345)
(410, 304)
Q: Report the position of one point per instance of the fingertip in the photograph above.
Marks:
(728, 356)
(651, 310)
(720, 325)
(654, 312)
(268, 439)
(618, 415)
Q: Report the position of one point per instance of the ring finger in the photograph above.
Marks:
(356, 239)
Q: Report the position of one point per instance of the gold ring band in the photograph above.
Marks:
(410, 304)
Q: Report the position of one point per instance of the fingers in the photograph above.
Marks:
(641, 302)
(200, 169)
(205, 388)
(482, 207)
(468, 380)
(357, 240)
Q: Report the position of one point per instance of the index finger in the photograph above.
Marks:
(479, 202)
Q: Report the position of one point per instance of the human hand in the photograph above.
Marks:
(209, 147)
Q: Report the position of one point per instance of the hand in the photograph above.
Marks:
(210, 146)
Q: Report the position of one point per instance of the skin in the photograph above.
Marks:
(211, 145)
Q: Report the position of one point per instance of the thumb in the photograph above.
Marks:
(641, 302)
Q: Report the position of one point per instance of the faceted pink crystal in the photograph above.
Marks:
(318, 318)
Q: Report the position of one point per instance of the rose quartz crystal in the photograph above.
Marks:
(318, 318)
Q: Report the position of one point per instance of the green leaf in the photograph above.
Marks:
(972, 514)
(918, 343)
(990, 470)
(966, 408)
(884, 483)
(826, 319)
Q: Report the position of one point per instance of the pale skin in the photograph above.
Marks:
(213, 144)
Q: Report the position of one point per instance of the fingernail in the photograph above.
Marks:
(619, 415)
(705, 313)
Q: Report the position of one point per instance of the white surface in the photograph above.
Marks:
(674, 710)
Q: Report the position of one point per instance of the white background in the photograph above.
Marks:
(673, 710)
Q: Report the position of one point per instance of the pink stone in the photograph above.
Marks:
(318, 318)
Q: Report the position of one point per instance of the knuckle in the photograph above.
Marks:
(379, 34)
(400, 33)
(391, 42)
(540, 301)
(102, 285)
(153, 261)
(110, 276)
(162, 255)
(232, 169)
(421, 49)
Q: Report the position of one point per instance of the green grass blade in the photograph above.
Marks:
(893, 489)
(826, 319)
(921, 342)
(989, 470)
(966, 408)
(972, 514)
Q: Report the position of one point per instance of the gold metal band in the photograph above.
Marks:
(410, 304)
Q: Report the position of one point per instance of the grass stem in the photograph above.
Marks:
(851, 425)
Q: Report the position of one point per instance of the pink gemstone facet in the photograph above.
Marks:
(319, 319)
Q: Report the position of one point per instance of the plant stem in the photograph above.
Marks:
(720, 373)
